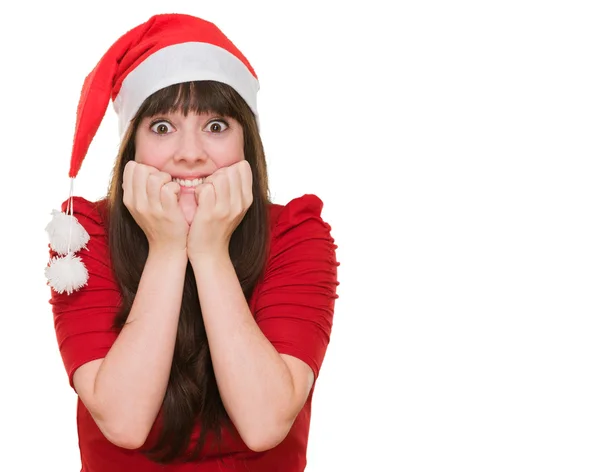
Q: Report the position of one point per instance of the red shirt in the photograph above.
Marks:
(292, 305)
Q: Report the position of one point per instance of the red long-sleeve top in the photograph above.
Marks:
(292, 304)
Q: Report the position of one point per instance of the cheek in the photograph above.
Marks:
(228, 153)
(150, 155)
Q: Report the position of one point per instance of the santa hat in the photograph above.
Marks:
(165, 50)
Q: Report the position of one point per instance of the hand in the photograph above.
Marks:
(223, 199)
(151, 198)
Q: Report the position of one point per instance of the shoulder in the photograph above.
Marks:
(92, 215)
(297, 213)
(298, 232)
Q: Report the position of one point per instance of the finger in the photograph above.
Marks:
(148, 168)
(222, 192)
(197, 192)
(235, 190)
(206, 196)
(169, 196)
(155, 182)
(140, 182)
(246, 182)
(211, 179)
(153, 190)
(128, 183)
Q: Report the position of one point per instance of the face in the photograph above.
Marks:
(189, 147)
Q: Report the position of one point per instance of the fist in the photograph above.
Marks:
(151, 198)
(223, 199)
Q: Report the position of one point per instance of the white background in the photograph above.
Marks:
(455, 145)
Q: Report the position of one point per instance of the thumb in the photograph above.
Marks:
(197, 193)
(170, 196)
(173, 187)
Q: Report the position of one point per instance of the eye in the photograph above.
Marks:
(217, 126)
(161, 127)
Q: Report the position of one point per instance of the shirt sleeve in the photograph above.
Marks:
(83, 320)
(295, 301)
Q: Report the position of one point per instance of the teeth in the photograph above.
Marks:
(188, 183)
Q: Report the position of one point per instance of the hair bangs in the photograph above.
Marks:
(191, 97)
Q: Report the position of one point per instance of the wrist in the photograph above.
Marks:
(209, 258)
(170, 253)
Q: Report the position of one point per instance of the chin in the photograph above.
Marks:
(188, 206)
(189, 217)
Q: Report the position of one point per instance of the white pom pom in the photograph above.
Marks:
(59, 229)
(66, 274)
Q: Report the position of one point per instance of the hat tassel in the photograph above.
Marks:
(66, 272)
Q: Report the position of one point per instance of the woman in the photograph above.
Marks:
(192, 314)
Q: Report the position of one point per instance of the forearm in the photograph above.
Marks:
(254, 382)
(132, 380)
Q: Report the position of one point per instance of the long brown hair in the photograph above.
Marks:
(192, 395)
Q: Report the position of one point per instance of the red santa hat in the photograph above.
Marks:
(165, 50)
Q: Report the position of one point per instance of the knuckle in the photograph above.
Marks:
(141, 171)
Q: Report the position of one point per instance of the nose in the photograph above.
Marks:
(191, 149)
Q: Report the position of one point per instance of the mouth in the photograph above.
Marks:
(188, 182)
